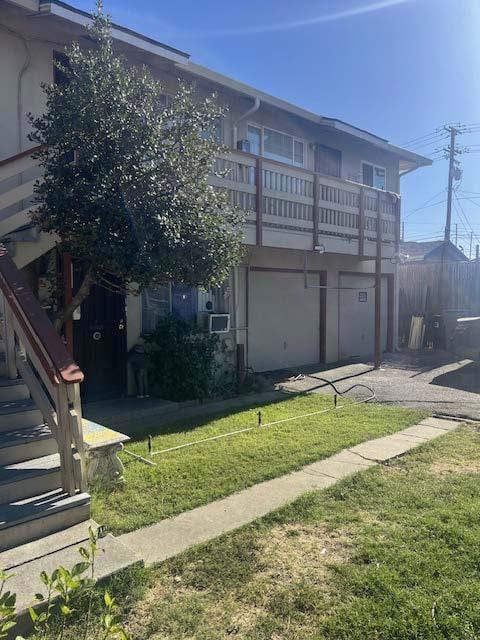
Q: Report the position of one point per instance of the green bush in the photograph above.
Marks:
(182, 363)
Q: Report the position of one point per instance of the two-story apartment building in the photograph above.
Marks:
(313, 187)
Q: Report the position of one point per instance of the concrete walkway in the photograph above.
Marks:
(170, 537)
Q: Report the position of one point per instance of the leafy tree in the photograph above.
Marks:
(125, 184)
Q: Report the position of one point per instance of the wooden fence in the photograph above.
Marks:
(430, 287)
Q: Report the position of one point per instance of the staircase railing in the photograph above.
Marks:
(35, 351)
(18, 175)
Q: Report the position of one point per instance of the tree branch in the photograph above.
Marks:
(67, 312)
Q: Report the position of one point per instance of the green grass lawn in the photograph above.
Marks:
(190, 477)
(392, 553)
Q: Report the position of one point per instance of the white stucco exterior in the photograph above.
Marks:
(279, 321)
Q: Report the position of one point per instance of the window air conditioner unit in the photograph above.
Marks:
(219, 323)
(243, 145)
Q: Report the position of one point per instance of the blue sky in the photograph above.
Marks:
(399, 68)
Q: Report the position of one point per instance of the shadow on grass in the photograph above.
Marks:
(194, 422)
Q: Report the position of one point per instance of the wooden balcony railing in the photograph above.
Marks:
(37, 353)
(292, 207)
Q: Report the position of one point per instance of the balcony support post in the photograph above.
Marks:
(378, 287)
(361, 223)
(316, 210)
(398, 217)
(66, 270)
(259, 199)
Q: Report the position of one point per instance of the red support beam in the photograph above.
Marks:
(361, 224)
(67, 298)
(398, 218)
(259, 199)
(316, 211)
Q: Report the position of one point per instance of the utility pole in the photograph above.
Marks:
(471, 240)
(456, 234)
(451, 167)
(450, 152)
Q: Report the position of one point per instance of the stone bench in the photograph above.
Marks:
(102, 446)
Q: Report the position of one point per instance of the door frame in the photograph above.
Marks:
(390, 303)
(322, 301)
(123, 377)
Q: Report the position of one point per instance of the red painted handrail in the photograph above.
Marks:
(36, 324)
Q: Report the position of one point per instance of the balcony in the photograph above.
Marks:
(286, 206)
(293, 208)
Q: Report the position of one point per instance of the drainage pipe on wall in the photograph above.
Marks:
(253, 108)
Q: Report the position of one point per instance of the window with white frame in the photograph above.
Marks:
(276, 145)
(254, 136)
(374, 176)
(156, 303)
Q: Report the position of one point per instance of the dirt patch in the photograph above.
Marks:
(295, 552)
(457, 467)
(289, 555)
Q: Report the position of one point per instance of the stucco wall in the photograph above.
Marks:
(24, 64)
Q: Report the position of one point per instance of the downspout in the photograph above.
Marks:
(256, 105)
(21, 74)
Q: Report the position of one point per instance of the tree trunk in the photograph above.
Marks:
(67, 312)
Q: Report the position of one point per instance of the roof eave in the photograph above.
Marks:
(410, 161)
(77, 16)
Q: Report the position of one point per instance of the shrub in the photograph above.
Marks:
(182, 362)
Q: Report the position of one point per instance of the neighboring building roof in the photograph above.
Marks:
(432, 251)
(408, 161)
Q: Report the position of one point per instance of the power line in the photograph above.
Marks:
(427, 143)
(465, 216)
(425, 205)
(419, 138)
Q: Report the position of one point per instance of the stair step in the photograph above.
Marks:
(22, 480)
(13, 390)
(17, 414)
(26, 444)
(22, 521)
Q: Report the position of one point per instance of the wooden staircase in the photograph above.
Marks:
(18, 175)
(32, 501)
(42, 456)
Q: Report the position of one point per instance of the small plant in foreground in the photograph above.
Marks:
(7, 607)
(64, 589)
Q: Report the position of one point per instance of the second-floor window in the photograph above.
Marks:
(276, 145)
(374, 176)
(328, 161)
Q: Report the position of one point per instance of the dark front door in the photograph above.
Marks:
(99, 343)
